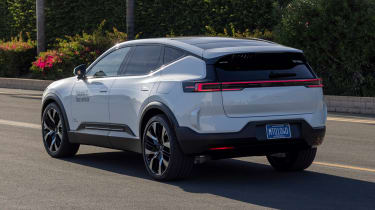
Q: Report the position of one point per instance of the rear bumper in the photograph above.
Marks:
(251, 140)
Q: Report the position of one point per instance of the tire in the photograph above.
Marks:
(293, 161)
(54, 133)
(162, 155)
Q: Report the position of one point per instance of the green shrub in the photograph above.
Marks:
(266, 34)
(16, 57)
(154, 18)
(75, 50)
(339, 41)
(190, 17)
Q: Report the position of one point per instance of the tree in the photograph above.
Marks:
(130, 18)
(40, 25)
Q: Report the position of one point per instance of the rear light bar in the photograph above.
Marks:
(236, 86)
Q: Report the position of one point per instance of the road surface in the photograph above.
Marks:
(342, 177)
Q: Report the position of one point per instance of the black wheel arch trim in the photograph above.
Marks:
(53, 97)
(163, 108)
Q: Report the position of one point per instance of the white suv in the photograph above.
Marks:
(181, 101)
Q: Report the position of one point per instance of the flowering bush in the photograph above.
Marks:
(49, 65)
(16, 57)
(74, 50)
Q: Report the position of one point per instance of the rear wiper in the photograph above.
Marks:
(278, 75)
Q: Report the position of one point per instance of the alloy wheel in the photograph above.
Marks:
(52, 130)
(157, 148)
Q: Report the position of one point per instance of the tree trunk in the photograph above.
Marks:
(130, 18)
(40, 26)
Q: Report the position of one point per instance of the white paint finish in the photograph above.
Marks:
(63, 89)
(90, 101)
(187, 68)
(127, 96)
(271, 101)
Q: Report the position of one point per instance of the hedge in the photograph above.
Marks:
(16, 57)
(338, 38)
(154, 18)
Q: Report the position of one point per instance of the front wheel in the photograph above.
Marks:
(292, 161)
(161, 153)
(55, 136)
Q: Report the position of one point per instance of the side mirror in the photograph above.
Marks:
(80, 71)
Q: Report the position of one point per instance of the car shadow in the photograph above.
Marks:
(252, 183)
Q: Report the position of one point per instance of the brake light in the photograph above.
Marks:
(208, 87)
(221, 148)
(236, 86)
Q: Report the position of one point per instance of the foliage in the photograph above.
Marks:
(21, 17)
(75, 50)
(339, 41)
(266, 34)
(16, 56)
(154, 18)
(190, 17)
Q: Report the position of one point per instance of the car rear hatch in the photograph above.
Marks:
(267, 84)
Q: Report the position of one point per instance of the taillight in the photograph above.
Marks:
(318, 84)
(236, 86)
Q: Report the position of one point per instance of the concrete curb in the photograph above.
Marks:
(26, 84)
(350, 104)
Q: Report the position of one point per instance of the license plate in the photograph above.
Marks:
(279, 131)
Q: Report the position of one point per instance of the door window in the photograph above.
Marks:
(110, 64)
(144, 60)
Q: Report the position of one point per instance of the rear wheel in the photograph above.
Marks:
(55, 136)
(161, 153)
(292, 161)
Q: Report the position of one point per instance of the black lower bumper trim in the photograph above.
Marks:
(251, 140)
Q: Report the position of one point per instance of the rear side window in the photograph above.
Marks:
(144, 60)
(172, 54)
(262, 66)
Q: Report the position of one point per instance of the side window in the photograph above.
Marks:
(110, 64)
(172, 54)
(144, 60)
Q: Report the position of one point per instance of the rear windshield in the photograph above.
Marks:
(262, 66)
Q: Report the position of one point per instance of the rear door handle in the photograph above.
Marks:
(145, 88)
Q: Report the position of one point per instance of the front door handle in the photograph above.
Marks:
(103, 90)
(144, 88)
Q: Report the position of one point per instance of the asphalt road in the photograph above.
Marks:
(343, 176)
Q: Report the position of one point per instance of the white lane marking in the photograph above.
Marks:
(19, 124)
(345, 166)
(353, 120)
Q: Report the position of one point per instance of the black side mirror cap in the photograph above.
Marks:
(80, 71)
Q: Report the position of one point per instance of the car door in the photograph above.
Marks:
(130, 90)
(90, 109)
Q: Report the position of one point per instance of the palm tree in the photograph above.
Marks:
(130, 18)
(40, 26)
